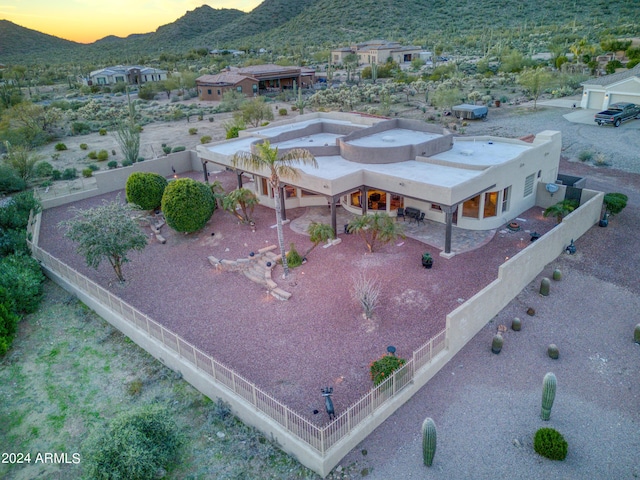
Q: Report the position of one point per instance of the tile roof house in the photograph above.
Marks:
(369, 163)
(377, 51)
(130, 74)
(600, 92)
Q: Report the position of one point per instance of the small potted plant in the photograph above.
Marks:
(427, 260)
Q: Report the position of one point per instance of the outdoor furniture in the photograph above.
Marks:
(400, 213)
(412, 213)
(420, 219)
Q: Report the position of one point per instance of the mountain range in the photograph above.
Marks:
(299, 25)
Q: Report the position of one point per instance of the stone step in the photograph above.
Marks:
(267, 249)
(251, 275)
(280, 294)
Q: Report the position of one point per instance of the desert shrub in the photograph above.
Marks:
(13, 241)
(382, 368)
(187, 205)
(103, 155)
(112, 164)
(146, 92)
(550, 443)
(294, 259)
(282, 112)
(193, 131)
(166, 149)
(15, 213)
(87, 172)
(60, 147)
(126, 163)
(585, 156)
(56, 175)
(80, 128)
(135, 445)
(21, 277)
(69, 173)
(93, 155)
(8, 325)
(102, 131)
(615, 202)
(83, 146)
(43, 169)
(140, 159)
(93, 167)
(205, 139)
(233, 132)
(178, 149)
(145, 189)
(10, 181)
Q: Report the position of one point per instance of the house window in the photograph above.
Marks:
(265, 186)
(290, 192)
(101, 81)
(119, 79)
(506, 193)
(209, 91)
(239, 88)
(218, 92)
(255, 88)
(490, 204)
(307, 193)
(435, 206)
(528, 185)
(471, 208)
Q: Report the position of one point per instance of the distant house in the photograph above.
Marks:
(378, 51)
(254, 80)
(598, 93)
(235, 53)
(131, 75)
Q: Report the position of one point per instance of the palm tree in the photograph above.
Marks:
(319, 232)
(243, 197)
(561, 209)
(268, 158)
(376, 227)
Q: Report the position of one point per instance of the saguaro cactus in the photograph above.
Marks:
(548, 395)
(545, 285)
(428, 441)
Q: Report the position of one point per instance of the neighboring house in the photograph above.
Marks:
(368, 163)
(378, 51)
(598, 93)
(235, 53)
(131, 75)
(254, 80)
(213, 87)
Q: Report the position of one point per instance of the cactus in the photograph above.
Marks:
(557, 275)
(496, 344)
(516, 324)
(636, 334)
(548, 395)
(553, 351)
(545, 285)
(531, 311)
(428, 441)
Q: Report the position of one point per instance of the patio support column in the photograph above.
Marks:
(204, 170)
(239, 175)
(448, 215)
(364, 201)
(282, 209)
(334, 224)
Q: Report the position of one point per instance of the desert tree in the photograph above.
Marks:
(276, 165)
(255, 112)
(243, 198)
(318, 233)
(366, 291)
(446, 97)
(374, 228)
(535, 81)
(108, 232)
(22, 160)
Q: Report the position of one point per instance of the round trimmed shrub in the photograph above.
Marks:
(102, 155)
(87, 172)
(384, 367)
(145, 189)
(112, 164)
(187, 205)
(69, 173)
(550, 443)
(93, 155)
(60, 147)
(136, 445)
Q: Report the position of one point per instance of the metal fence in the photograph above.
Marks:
(321, 439)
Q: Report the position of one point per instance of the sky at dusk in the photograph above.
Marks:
(86, 21)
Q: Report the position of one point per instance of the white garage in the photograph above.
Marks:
(601, 92)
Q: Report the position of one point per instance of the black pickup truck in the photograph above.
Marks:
(618, 113)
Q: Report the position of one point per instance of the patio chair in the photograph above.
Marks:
(420, 219)
(400, 213)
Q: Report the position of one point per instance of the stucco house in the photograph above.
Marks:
(374, 164)
(254, 80)
(132, 75)
(378, 51)
(598, 93)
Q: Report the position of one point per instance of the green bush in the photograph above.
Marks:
(8, 326)
(178, 149)
(615, 202)
(102, 156)
(83, 146)
(43, 169)
(145, 189)
(166, 149)
(56, 175)
(80, 128)
(102, 131)
(87, 172)
(126, 162)
(193, 131)
(15, 213)
(550, 443)
(233, 132)
(20, 275)
(10, 181)
(382, 368)
(585, 156)
(69, 174)
(134, 446)
(93, 167)
(93, 155)
(13, 241)
(205, 139)
(294, 259)
(60, 147)
(282, 112)
(187, 205)
(112, 164)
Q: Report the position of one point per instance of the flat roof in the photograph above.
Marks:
(394, 137)
(476, 152)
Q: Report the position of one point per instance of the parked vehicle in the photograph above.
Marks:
(618, 113)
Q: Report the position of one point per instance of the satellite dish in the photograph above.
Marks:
(552, 188)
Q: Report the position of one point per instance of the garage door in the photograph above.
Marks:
(595, 100)
(617, 98)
